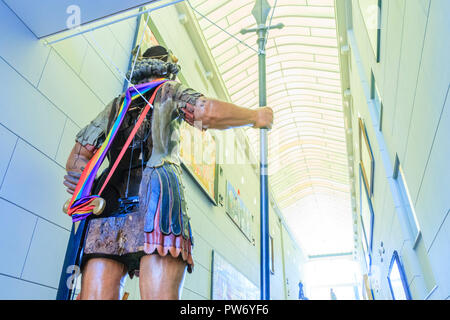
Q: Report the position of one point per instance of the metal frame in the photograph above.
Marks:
(396, 260)
(368, 173)
(367, 237)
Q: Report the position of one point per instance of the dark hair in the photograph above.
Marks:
(153, 64)
(157, 52)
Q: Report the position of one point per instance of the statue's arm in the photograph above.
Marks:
(216, 114)
(77, 161)
(88, 140)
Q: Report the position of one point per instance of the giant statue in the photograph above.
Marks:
(140, 225)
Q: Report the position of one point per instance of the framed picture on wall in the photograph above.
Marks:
(238, 211)
(228, 283)
(366, 212)
(398, 283)
(366, 158)
(198, 156)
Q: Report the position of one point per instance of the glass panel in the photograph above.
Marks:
(366, 216)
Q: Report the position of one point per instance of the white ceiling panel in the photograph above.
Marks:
(48, 17)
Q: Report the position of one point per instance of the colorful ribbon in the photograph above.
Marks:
(80, 206)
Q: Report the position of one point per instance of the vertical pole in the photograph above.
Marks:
(264, 184)
(72, 262)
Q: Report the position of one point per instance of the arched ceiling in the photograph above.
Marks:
(307, 147)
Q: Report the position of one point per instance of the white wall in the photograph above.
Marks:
(48, 94)
(413, 77)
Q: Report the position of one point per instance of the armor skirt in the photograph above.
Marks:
(158, 225)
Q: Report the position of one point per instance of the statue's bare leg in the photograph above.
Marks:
(101, 279)
(161, 278)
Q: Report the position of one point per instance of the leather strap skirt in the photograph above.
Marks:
(160, 224)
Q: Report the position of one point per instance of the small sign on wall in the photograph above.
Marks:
(238, 212)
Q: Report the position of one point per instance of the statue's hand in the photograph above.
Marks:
(264, 118)
(71, 181)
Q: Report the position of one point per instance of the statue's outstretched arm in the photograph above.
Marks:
(76, 162)
(216, 114)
